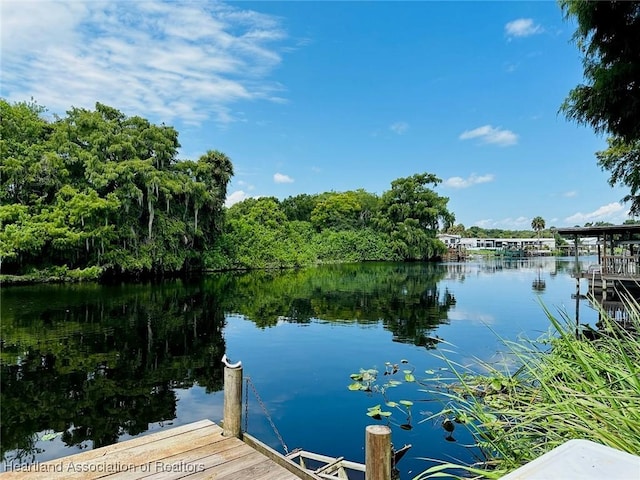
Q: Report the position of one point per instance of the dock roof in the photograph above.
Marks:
(599, 230)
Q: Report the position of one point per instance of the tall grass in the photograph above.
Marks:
(565, 387)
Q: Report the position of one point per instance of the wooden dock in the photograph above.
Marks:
(205, 450)
(197, 450)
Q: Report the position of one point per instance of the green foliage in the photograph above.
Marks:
(99, 189)
(607, 35)
(622, 160)
(299, 207)
(352, 226)
(538, 224)
(564, 387)
(337, 211)
(258, 235)
(352, 246)
(412, 214)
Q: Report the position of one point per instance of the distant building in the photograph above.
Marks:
(456, 241)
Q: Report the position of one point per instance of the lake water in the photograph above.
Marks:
(87, 365)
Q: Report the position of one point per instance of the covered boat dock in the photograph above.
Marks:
(618, 250)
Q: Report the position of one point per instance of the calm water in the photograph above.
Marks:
(85, 365)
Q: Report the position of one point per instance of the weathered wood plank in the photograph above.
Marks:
(285, 462)
(171, 467)
(211, 465)
(265, 470)
(98, 453)
(230, 466)
(192, 452)
(131, 455)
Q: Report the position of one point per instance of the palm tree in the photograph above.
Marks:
(538, 225)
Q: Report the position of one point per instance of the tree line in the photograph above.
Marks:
(101, 193)
(98, 190)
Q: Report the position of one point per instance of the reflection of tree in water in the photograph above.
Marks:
(99, 364)
(405, 297)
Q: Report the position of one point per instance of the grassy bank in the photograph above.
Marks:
(565, 387)
(53, 275)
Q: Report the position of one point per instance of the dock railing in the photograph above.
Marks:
(378, 448)
(620, 265)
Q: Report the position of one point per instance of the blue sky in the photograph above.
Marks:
(308, 97)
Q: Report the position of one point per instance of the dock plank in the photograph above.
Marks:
(194, 451)
(196, 456)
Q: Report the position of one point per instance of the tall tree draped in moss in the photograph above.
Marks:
(608, 36)
(412, 214)
(98, 188)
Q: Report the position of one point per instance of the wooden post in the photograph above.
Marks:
(377, 454)
(232, 410)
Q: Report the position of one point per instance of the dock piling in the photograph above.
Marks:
(377, 452)
(232, 410)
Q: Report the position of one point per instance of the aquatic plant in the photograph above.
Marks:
(566, 387)
(561, 386)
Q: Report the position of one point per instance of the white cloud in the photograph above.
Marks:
(235, 197)
(281, 178)
(246, 185)
(519, 223)
(570, 194)
(522, 27)
(187, 61)
(473, 179)
(489, 134)
(610, 212)
(399, 127)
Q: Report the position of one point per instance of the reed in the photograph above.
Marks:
(565, 387)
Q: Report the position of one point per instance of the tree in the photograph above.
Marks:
(412, 214)
(338, 211)
(622, 159)
(96, 188)
(299, 207)
(456, 230)
(538, 225)
(608, 35)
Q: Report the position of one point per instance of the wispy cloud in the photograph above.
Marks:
(281, 178)
(492, 135)
(522, 27)
(509, 223)
(473, 179)
(611, 211)
(570, 194)
(246, 185)
(399, 127)
(187, 61)
(235, 197)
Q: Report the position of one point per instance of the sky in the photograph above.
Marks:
(317, 96)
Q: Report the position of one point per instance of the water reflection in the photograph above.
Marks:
(406, 298)
(93, 363)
